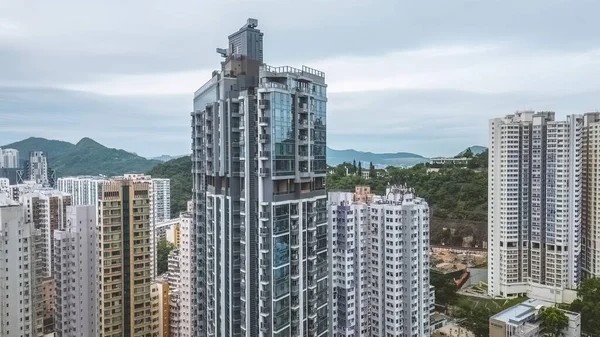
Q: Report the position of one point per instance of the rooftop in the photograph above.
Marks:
(6, 201)
(522, 312)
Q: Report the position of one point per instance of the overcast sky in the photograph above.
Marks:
(413, 76)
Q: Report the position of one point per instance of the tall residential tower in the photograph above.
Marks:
(124, 272)
(258, 142)
(534, 205)
(380, 261)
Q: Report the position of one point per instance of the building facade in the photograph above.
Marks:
(75, 274)
(351, 271)
(9, 158)
(83, 190)
(161, 199)
(160, 308)
(46, 209)
(187, 276)
(22, 311)
(124, 259)
(534, 205)
(37, 167)
(523, 320)
(259, 138)
(381, 264)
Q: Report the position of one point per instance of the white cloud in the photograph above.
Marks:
(476, 68)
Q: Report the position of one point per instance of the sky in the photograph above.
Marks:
(403, 76)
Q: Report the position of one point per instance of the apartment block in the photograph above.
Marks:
(124, 259)
(46, 209)
(22, 310)
(160, 305)
(38, 168)
(535, 204)
(9, 158)
(161, 199)
(380, 260)
(75, 274)
(351, 274)
(84, 190)
(187, 276)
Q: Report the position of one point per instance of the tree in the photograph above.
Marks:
(354, 167)
(372, 173)
(554, 321)
(468, 153)
(588, 304)
(445, 288)
(360, 169)
(475, 318)
(162, 255)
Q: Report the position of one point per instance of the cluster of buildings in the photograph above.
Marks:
(542, 213)
(35, 168)
(78, 258)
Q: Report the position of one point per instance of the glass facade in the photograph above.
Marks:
(319, 132)
(282, 132)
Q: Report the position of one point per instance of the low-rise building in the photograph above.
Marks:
(523, 320)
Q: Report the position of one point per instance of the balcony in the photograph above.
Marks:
(263, 104)
(263, 121)
(303, 124)
(263, 138)
(264, 155)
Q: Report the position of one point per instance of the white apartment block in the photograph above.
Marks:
(175, 313)
(83, 189)
(16, 191)
(187, 276)
(534, 205)
(174, 270)
(350, 270)
(75, 274)
(161, 199)
(46, 210)
(21, 312)
(381, 264)
(160, 204)
(9, 158)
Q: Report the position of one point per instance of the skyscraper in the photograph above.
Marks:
(21, 312)
(590, 257)
(75, 274)
(534, 205)
(381, 263)
(124, 259)
(9, 158)
(259, 137)
(38, 167)
(187, 276)
(161, 200)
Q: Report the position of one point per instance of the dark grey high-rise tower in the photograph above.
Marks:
(258, 141)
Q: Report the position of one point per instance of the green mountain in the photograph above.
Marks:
(336, 157)
(180, 172)
(475, 149)
(87, 157)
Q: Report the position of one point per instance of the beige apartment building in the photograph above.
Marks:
(124, 259)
